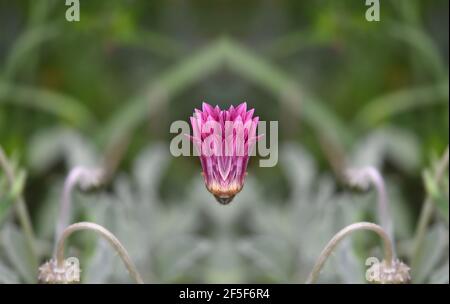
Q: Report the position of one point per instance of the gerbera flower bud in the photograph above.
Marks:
(68, 273)
(395, 273)
(224, 140)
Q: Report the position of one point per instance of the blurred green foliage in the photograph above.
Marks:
(350, 92)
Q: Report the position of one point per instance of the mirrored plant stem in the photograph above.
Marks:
(338, 237)
(83, 177)
(427, 210)
(362, 178)
(111, 238)
(22, 210)
(87, 178)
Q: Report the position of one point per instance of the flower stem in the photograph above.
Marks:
(66, 201)
(427, 211)
(22, 211)
(115, 243)
(383, 205)
(370, 176)
(326, 252)
(85, 178)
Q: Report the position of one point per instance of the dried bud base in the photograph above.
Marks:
(224, 195)
(50, 273)
(397, 273)
(224, 200)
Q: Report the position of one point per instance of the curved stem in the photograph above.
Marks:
(388, 247)
(86, 178)
(22, 211)
(115, 243)
(427, 211)
(78, 175)
(370, 176)
(383, 202)
(66, 200)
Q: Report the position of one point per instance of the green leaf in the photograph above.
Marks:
(175, 256)
(16, 190)
(24, 47)
(15, 248)
(63, 106)
(225, 53)
(436, 194)
(430, 184)
(273, 256)
(296, 98)
(7, 275)
(427, 51)
(435, 248)
(394, 103)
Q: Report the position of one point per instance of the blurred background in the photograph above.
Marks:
(103, 92)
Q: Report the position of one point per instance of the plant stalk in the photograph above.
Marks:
(111, 238)
(22, 211)
(337, 238)
(382, 202)
(427, 211)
